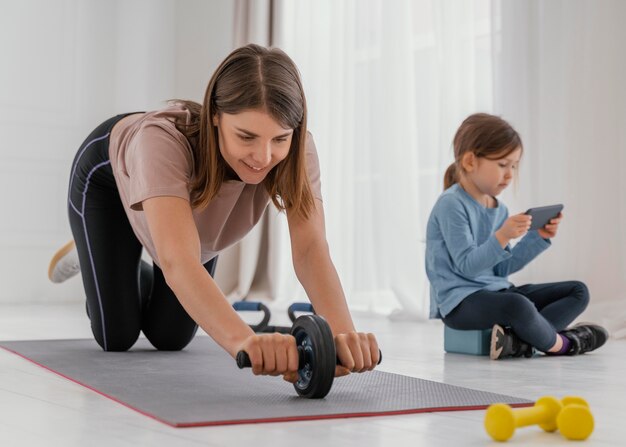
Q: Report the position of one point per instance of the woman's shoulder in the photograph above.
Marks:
(156, 136)
(168, 117)
(309, 143)
(162, 126)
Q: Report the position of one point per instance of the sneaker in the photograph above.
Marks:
(504, 343)
(585, 337)
(64, 263)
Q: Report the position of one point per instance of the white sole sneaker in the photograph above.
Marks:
(496, 345)
(64, 264)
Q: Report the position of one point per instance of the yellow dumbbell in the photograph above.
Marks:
(501, 420)
(571, 400)
(575, 420)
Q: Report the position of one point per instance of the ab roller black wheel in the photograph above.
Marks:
(316, 350)
(316, 353)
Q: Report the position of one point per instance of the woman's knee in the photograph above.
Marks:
(116, 340)
(171, 341)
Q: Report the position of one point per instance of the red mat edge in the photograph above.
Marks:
(261, 420)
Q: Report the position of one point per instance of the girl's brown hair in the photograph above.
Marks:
(486, 136)
(251, 77)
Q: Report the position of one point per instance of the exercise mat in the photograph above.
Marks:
(202, 386)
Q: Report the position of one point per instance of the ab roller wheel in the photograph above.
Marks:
(316, 353)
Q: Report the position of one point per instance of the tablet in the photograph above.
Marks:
(543, 214)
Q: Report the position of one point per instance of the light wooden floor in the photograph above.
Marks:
(39, 408)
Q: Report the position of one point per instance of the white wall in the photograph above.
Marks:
(66, 65)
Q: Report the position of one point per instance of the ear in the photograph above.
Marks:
(468, 161)
(216, 120)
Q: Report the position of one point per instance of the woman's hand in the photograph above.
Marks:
(357, 352)
(273, 355)
(549, 230)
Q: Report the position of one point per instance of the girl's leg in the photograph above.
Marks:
(165, 322)
(108, 251)
(559, 303)
(484, 309)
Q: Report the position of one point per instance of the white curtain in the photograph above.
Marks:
(387, 83)
(560, 71)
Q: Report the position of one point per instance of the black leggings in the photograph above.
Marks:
(535, 312)
(124, 294)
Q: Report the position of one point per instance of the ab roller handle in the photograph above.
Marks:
(243, 360)
(317, 356)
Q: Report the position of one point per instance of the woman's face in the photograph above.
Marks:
(252, 143)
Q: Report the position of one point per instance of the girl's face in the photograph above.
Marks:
(491, 177)
(252, 143)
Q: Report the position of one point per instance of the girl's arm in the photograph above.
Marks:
(316, 272)
(470, 258)
(527, 249)
(177, 244)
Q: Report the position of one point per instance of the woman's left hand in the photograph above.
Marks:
(357, 352)
(549, 230)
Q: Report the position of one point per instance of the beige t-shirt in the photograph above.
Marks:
(151, 158)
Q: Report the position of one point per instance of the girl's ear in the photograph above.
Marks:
(215, 120)
(468, 161)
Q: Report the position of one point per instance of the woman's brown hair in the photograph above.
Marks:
(251, 77)
(487, 136)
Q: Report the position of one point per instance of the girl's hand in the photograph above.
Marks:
(272, 355)
(549, 230)
(357, 352)
(514, 227)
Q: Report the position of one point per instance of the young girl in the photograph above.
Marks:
(188, 181)
(468, 256)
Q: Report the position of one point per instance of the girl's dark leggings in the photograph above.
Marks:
(125, 295)
(535, 312)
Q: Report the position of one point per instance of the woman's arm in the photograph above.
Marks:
(178, 247)
(177, 244)
(316, 272)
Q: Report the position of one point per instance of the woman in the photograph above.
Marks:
(188, 181)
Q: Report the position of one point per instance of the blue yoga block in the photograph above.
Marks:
(466, 342)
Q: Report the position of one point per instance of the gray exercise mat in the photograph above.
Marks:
(202, 385)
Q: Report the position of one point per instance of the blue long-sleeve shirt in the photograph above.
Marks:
(463, 254)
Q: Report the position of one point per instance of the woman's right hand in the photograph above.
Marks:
(514, 227)
(272, 355)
